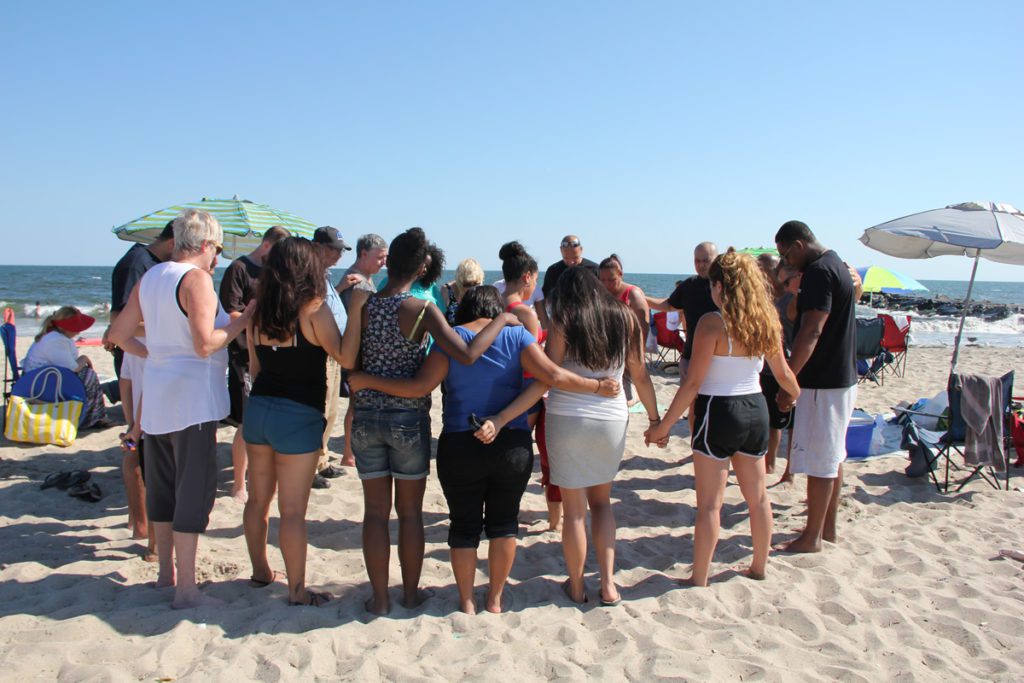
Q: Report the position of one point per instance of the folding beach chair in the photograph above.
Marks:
(9, 334)
(871, 357)
(945, 451)
(670, 343)
(896, 340)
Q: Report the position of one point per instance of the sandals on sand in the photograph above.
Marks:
(90, 492)
(566, 588)
(65, 479)
(315, 598)
(260, 583)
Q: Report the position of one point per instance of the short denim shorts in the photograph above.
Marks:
(391, 443)
(287, 426)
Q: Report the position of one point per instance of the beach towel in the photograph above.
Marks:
(981, 402)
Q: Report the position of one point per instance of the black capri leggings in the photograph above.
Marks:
(483, 483)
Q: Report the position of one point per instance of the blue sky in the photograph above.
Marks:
(643, 127)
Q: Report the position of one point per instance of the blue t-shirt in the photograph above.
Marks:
(489, 384)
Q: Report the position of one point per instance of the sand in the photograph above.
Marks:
(914, 590)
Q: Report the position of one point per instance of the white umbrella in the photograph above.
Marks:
(973, 229)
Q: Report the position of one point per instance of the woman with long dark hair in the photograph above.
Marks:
(390, 434)
(592, 335)
(730, 413)
(289, 338)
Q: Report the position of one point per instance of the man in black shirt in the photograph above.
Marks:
(572, 256)
(126, 275)
(237, 289)
(693, 297)
(823, 359)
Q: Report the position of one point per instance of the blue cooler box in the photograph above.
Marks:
(858, 435)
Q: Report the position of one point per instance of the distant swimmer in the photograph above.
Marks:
(38, 312)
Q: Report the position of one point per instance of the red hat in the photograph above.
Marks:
(76, 323)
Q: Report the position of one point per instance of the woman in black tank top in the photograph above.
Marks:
(289, 338)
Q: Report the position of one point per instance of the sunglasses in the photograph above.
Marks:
(784, 254)
(218, 247)
(570, 243)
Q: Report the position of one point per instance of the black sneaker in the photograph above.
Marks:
(331, 472)
(320, 482)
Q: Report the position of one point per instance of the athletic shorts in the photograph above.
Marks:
(819, 431)
(730, 425)
(777, 419)
(287, 426)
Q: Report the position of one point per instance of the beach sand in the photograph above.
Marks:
(914, 590)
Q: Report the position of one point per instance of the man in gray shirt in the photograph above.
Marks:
(371, 255)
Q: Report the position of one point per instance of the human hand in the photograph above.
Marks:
(489, 429)
(349, 281)
(510, 319)
(607, 387)
(249, 309)
(785, 401)
(107, 344)
(357, 380)
(657, 434)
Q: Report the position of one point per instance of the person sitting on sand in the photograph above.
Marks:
(290, 336)
(730, 413)
(186, 394)
(54, 345)
(484, 467)
(388, 331)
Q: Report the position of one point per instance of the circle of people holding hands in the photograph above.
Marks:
(556, 363)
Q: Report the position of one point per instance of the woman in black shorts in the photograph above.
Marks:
(730, 414)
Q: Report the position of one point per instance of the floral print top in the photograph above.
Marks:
(387, 353)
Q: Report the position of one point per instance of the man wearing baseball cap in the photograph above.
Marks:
(330, 246)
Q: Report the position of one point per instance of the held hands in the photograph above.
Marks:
(657, 434)
(107, 344)
(785, 401)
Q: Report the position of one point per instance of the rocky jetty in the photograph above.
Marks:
(941, 305)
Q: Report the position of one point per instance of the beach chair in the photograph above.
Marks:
(895, 341)
(670, 343)
(871, 357)
(944, 451)
(9, 334)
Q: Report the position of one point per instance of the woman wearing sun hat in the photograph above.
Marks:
(55, 345)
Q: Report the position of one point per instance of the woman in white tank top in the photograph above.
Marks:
(730, 414)
(186, 393)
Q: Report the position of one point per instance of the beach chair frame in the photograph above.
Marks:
(670, 343)
(9, 334)
(896, 342)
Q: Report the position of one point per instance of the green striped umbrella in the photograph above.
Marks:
(757, 251)
(243, 221)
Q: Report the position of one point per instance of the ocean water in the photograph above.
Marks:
(88, 288)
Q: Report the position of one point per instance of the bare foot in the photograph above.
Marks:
(348, 460)
(751, 574)
(800, 545)
(311, 599)
(578, 599)
(414, 600)
(196, 599)
(830, 535)
(164, 581)
(149, 555)
(688, 582)
(468, 606)
(240, 496)
(492, 603)
(378, 607)
(769, 470)
(265, 579)
(140, 532)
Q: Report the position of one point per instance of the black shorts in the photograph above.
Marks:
(770, 389)
(727, 425)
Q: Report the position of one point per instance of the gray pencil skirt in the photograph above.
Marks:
(583, 451)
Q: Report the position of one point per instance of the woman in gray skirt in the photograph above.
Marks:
(593, 335)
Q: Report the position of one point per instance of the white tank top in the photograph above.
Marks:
(591, 406)
(732, 375)
(181, 389)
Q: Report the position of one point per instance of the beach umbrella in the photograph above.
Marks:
(879, 279)
(757, 251)
(976, 230)
(243, 221)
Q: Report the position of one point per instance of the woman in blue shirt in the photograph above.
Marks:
(484, 482)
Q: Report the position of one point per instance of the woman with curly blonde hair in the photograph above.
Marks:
(730, 413)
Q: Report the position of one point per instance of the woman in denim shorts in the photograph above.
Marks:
(289, 338)
(391, 435)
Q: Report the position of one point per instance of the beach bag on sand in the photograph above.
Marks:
(33, 419)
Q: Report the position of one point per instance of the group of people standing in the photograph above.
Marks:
(292, 341)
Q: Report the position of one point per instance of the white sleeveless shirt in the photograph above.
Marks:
(593, 406)
(181, 389)
(732, 375)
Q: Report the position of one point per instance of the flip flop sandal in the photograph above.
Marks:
(260, 583)
(89, 492)
(74, 478)
(315, 600)
(568, 593)
(55, 479)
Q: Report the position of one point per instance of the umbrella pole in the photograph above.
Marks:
(963, 315)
